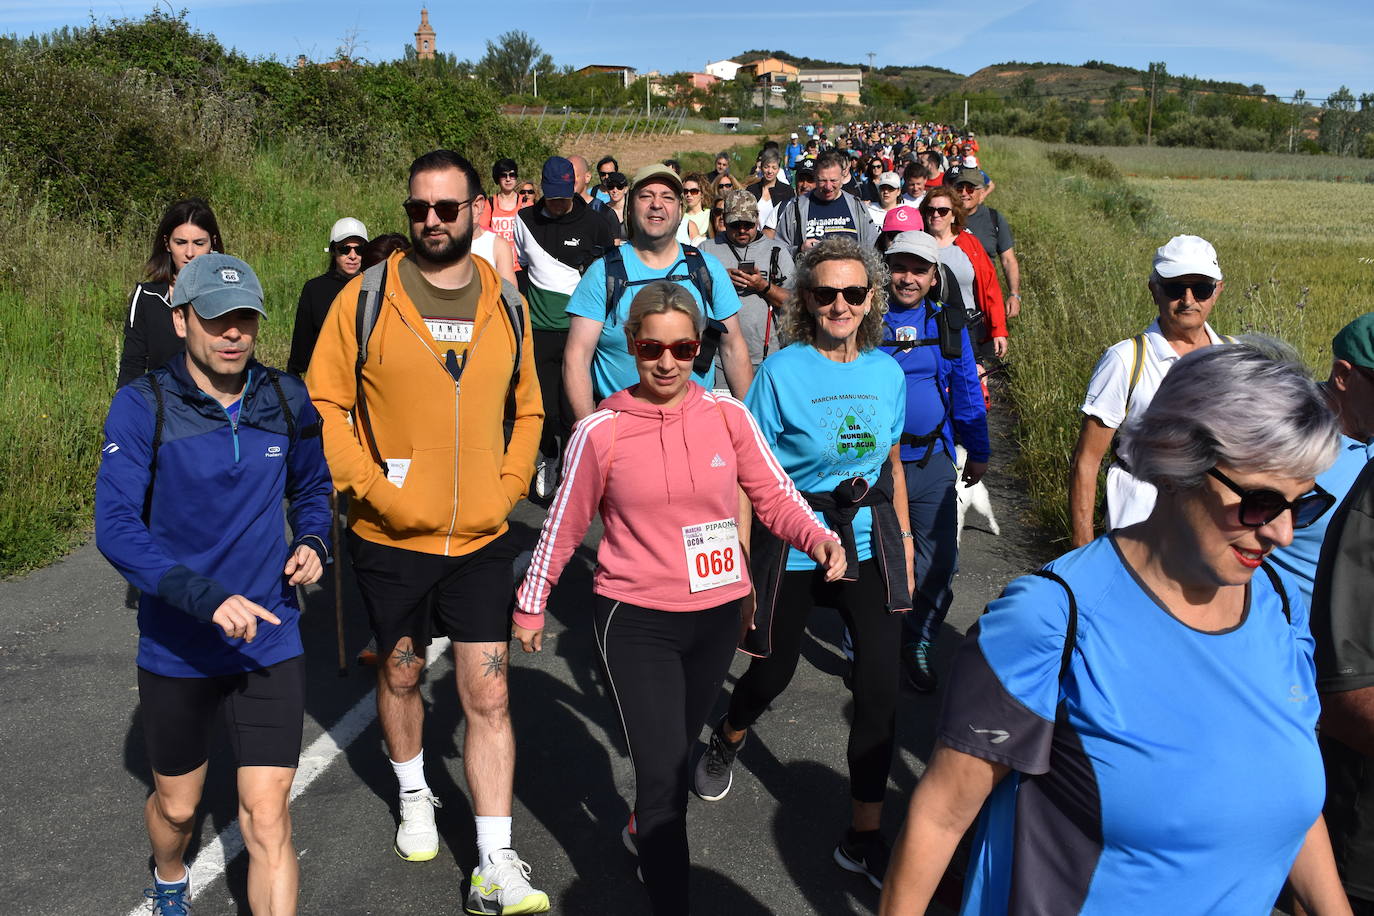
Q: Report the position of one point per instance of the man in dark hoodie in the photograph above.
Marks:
(554, 243)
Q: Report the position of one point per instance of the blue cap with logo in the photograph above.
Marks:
(215, 284)
(558, 180)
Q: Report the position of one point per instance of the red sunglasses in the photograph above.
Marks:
(682, 350)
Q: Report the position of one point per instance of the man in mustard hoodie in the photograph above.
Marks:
(431, 477)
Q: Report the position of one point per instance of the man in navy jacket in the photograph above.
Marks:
(198, 456)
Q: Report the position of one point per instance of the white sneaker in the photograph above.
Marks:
(545, 477)
(500, 886)
(417, 839)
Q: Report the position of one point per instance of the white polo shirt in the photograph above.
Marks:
(1129, 500)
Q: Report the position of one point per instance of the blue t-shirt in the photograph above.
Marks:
(1170, 771)
(613, 368)
(828, 422)
(939, 391)
(829, 220)
(1300, 557)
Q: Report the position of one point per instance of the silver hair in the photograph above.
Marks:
(1250, 405)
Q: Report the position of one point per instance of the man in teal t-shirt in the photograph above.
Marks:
(597, 360)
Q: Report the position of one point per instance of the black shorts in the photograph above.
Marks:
(264, 709)
(408, 593)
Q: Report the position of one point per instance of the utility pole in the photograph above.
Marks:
(871, 55)
(646, 95)
(966, 112)
(1150, 118)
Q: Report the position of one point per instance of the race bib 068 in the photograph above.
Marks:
(713, 557)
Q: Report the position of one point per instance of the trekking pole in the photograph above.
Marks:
(338, 580)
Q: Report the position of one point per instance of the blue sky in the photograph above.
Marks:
(1261, 41)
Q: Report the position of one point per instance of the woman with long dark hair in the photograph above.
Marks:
(186, 230)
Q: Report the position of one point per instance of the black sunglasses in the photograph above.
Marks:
(348, 249)
(526, 192)
(1260, 507)
(1202, 289)
(510, 174)
(724, 186)
(618, 184)
(446, 210)
(937, 211)
(824, 295)
(682, 350)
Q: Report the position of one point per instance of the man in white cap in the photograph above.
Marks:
(1185, 283)
(198, 457)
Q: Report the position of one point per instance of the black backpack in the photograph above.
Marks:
(617, 281)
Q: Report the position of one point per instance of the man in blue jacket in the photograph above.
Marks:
(198, 456)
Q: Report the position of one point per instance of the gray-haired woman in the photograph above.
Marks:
(1136, 721)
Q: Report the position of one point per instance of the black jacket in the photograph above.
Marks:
(149, 338)
(779, 194)
(317, 295)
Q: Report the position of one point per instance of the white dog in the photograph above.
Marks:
(974, 497)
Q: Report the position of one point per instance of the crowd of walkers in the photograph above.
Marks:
(770, 381)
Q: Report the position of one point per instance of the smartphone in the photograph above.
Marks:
(746, 267)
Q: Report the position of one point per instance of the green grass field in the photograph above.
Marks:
(1298, 262)
(1165, 162)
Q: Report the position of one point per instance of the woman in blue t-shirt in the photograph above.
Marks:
(1136, 722)
(832, 408)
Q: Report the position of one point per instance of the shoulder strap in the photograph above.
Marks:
(1278, 587)
(699, 274)
(286, 410)
(510, 298)
(1071, 635)
(1228, 338)
(159, 416)
(1137, 365)
(773, 264)
(369, 305)
(616, 280)
(801, 227)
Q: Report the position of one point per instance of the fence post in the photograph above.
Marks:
(540, 123)
(581, 130)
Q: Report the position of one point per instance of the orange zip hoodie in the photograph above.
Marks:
(463, 478)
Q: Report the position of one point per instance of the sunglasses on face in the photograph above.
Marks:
(1202, 289)
(682, 350)
(937, 211)
(500, 175)
(617, 185)
(342, 250)
(725, 185)
(740, 224)
(1260, 507)
(824, 295)
(691, 190)
(526, 192)
(446, 210)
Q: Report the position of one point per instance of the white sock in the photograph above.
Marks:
(185, 876)
(493, 833)
(411, 774)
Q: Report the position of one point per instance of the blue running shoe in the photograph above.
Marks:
(170, 899)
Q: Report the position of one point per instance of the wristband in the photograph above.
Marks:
(908, 536)
(1014, 296)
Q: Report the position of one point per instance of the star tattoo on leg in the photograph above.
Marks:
(404, 658)
(493, 664)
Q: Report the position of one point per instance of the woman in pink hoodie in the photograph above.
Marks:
(664, 461)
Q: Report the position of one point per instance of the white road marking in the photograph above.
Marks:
(228, 844)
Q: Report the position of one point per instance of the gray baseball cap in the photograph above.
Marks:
(215, 284)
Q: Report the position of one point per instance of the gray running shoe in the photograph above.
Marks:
(712, 778)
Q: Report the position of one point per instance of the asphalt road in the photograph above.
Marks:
(76, 775)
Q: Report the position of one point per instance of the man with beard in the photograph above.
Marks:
(432, 476)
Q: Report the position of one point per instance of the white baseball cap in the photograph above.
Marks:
(920, 244)
(347, 228)
(1187, 254)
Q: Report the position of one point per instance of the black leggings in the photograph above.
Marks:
(666, 668)
(877, 639)
(558, 413)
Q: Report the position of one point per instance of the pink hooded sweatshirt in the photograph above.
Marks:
(651, 471)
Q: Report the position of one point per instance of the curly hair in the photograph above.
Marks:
(799, 324)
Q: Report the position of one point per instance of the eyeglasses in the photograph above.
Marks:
(617, 185)
(724, 185)
(1260, 507)
(343, 250)
(1202, 289)
(605, 175)
(446, 210)
(682, 350)
(937, 211)
(526, 192)
(824, 295)
(691, 190)
(740, 224)
(510, 174)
